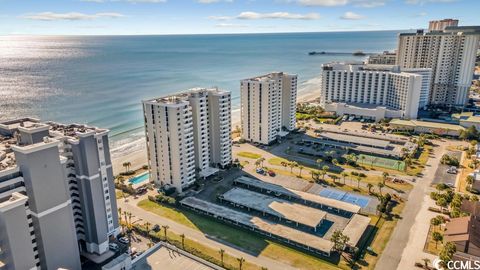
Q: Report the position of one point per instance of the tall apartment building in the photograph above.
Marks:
(268, 106)
(440, 25)
(450, 51)
(385, 58)
(373, 91)
(188, 135)
(56, 188)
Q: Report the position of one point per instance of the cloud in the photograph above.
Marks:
(422, 2)
(250, 15)
(231, 25)
(420, 14)
(334, 3)
(351, 16)
(323, 3)
(129, 1)
(70, 16)
(213, 1)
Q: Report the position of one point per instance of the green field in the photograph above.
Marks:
(249, 155)
(386, 163)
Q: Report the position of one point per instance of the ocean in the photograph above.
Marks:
(101, 80)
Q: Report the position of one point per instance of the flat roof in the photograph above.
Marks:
(305, 215)
(415, 123)
(355, 139)
(165, 258)
(355, 228)
(299, 194)
(258, 223)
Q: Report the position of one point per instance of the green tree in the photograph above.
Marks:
(127, 165)
(437, 237)
(442, 203)
(447, 252)
(470, 180)
(358, 181)
(369, 185)
(339, 240)
(240, 262)
(300, 167)
(222, 253)
(319, 162)
(165, 229)
(182, 236)
(384, 177)
(380, 186)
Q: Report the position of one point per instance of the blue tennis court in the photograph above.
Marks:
(340, 195)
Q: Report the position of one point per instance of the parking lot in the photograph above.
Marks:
(442, 176)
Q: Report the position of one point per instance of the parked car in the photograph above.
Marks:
(260, 171)
(113, 246)
(156, 228)
(452, 170)
(450, 185)
(124, 240)
(271, 173)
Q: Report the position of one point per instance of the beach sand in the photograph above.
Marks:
(138, 158)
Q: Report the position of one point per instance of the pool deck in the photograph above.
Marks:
(137, 185)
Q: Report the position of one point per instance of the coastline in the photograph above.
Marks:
(138, 154)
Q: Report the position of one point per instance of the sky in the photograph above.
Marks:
(143, 17)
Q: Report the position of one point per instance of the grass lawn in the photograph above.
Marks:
(277, 161)
(251, 242)
(384, 230)
(430, 245)
(119, 193)
(249, 155)
(419, 164)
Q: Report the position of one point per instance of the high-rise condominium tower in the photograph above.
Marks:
(373, 91)
(450, 51)
(188, 135)
(57, 196)
(268, 106)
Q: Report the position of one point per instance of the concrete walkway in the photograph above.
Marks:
(139, 213)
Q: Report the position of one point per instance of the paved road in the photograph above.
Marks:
(131, 206)
(406, 243)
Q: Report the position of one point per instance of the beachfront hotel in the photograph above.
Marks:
(373, 91)
(188, 136)
(268, 106)
(385, 58)
(57, 195)
(450, 51)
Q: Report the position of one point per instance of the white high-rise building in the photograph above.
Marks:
(188, 135)
(450, 52)
(268, 106)
(373, 91)
(385, 58)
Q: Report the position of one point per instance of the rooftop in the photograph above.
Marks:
(182, 97)
(10, 135)
(355, 228)
(355, 139)
(277, 207)
(435, 125)
(257, 223)
(299, 194)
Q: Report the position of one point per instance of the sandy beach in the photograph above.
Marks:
(138, 157)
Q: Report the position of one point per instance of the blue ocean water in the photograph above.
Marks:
(101, 80)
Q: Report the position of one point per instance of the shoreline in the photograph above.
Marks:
(138, 157)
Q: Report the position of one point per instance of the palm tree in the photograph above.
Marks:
(385, 176)
(130, 218)
(301, 167)
(362, 157)
(344, 175)
(284, 164)
(437, 237)
(358, 181)
(240, 263)
(380, 186)
(398, 165)
(147, 227)
(127, 166)
(292, 165)
(369, 185)
(335, 161)
(183, 240)
(222, 252)
(470, 180)
(165, 228)
(435, 222)
(262, 159)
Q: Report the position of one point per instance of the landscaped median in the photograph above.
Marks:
(249, 155)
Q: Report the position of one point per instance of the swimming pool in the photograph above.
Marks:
(139, 178)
